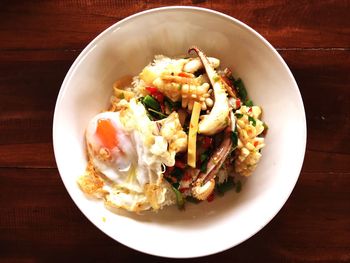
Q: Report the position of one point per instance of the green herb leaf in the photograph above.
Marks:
(203, 156)
(121, 96)
(225, 186)
(252, 120)
(249, 103)
(191, 199)
(242, 92)
(234, 138)
(150, 102)
(216, 78)
(204, 166)
(265, 126)
(161, 115)
(238, 115)
(149, 116)
(179, 198)
(179, 87)
(177, 104)
(178, 173)
(176, 185)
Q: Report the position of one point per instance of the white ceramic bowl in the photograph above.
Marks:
(125, 48)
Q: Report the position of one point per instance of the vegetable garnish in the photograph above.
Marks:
(225, 186)
(216, 78)
(238, 115)
(252, 120)
(249, 103)
(180, 164)
(204, 156)
(242, 92)
(191, 199)
(150, 102)
(161, 115)
(156, 93)
(207, 142)
(179, 198)
(234, 138)
(192, 135)
(204, 165)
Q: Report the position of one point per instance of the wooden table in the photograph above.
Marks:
(39, 42)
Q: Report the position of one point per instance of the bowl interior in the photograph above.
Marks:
(125, 48)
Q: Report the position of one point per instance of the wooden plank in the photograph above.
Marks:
(73, 24)
(35, 200)
(323, 78)
(28, 155)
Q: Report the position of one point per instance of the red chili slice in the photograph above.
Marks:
(207, 142)
(180, 164)
(238, 103)
(211, 197)
(183, 74)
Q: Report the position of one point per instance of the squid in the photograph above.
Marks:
(204, 184)
(218, 118)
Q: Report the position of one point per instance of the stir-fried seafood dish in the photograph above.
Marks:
(182, 130)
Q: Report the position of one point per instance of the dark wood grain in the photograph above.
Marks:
(40, 220)
(41, 39)
(73, 24)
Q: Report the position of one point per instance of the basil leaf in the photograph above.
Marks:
(242, 92)
(225, 186)
(150, 102)
(252, 120)
(238, 115)
(191, 199)
(249, 103)
(203, 156)
(234, 138)
(179, 198)
(177, 173)
(204, 166)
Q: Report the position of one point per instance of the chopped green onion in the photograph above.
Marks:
(191, 199)
(242, 92)
(179, 198)
(149, 116)
(239, 115)
(150, 102)
(177, 104)
(252, 120)
(180, 87)
(225, 186)
(249, 103)
(238, 186)
(121, 96)
(168, 105)
(234, 138)
(204, 166)
(177, 172)
(203, 156)
(161, 115)
(265, 126)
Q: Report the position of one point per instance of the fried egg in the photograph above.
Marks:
(128, 154)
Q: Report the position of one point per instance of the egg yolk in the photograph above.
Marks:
(107, 133)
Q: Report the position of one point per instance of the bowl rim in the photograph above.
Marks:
(230, 19)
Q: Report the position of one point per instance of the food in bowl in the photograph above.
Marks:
(183, 129)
